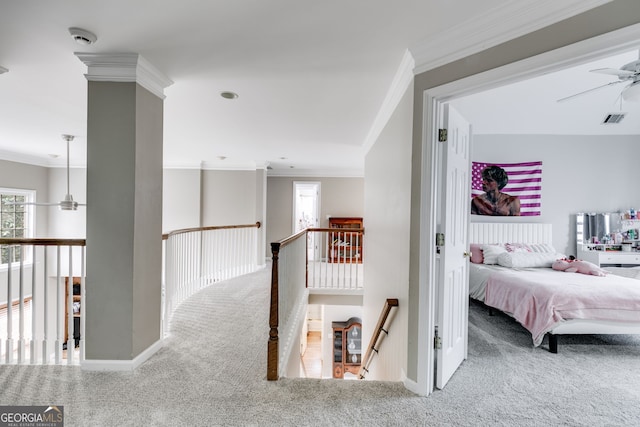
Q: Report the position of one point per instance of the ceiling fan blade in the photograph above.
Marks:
(588, 91)
(614, 72)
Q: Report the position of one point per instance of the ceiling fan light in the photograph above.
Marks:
(68, 204)
(632, 93)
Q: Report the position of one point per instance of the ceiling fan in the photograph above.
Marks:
(68, 204)
(627, 73)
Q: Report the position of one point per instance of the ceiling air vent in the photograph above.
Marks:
(613, 118)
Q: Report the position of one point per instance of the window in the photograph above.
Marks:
(15, 221)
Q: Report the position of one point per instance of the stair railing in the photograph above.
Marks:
(195, 258)
(377, 337)
(308, 260)
(37, 324)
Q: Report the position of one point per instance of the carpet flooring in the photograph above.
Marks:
(211, 372)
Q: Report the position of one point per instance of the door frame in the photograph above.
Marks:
(311, 237)
(318, 186)
(432, 100)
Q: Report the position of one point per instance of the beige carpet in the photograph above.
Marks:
(211, 372)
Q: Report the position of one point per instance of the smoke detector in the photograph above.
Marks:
(82, 37)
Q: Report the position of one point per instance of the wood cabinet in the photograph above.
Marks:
(77, 283)
(347, 347)
(345, 245)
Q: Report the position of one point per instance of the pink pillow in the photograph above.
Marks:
(476, 253)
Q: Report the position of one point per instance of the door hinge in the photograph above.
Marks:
(439, 239)
(442, 135)
(437, 341)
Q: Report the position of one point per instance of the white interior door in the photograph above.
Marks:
(453, 283)
(306, 212)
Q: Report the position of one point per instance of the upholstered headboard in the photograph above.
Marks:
(496, 232)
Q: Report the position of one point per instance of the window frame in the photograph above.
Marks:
(28, 222)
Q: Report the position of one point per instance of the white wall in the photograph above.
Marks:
(387, 215)
(579, 174)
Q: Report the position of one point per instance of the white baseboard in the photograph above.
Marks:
(414, 387)
(121, 365)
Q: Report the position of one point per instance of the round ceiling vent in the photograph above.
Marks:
(82, 37)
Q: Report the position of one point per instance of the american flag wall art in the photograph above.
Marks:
(525, 181)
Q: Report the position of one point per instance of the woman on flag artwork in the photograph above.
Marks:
(493, 201)
(507, 189)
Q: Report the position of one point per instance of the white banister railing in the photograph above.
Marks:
(36, 316)
(39, 310)
(322, 260)
(198, 257)
(335, 260)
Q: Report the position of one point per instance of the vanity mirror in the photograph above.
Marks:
(595, 227)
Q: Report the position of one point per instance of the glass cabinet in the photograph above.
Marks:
(347, 347)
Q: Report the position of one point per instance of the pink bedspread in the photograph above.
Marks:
(541, 298)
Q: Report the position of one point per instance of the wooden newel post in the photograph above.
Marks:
(272, 346)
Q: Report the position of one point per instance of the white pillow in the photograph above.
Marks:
(541, 247)
(527, 259)
(491, 252)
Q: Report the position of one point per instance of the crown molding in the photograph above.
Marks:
(12, 156)
(124, 67)
(469, 38)
(316, 173)
(399, 85)
(493, 27)
(230, 166)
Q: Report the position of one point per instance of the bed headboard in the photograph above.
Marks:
(496, 232)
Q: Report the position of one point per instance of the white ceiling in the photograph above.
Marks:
(312, 77)
(531, 106)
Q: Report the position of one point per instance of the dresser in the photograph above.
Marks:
(604, 258)
(592, 246)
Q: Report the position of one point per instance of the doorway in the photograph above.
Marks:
(306, 212)
(433, 99)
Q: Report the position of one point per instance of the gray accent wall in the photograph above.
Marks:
(124, 220)
(181, 199)
(228, 197)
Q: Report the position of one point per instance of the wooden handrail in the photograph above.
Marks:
(338, 230)
(272, 345)
(292, 238)
(368, 357)
(43, 242)
(209, 228)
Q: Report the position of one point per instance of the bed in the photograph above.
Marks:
(512, 273)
